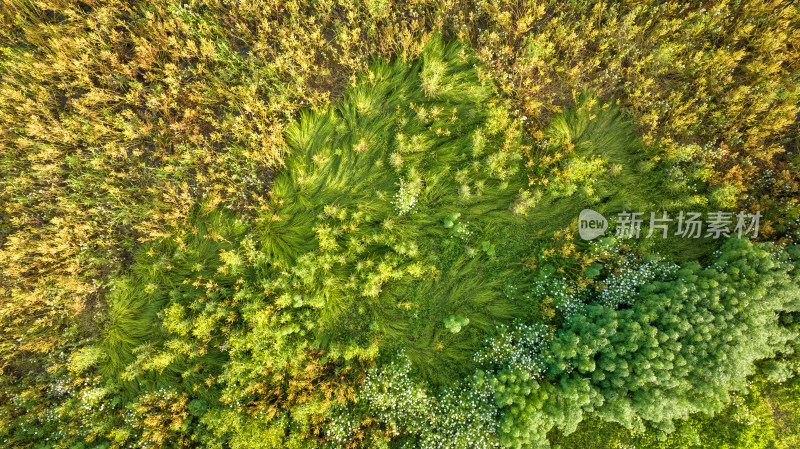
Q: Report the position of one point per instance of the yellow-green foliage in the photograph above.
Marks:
(719, 75)
(117, 117)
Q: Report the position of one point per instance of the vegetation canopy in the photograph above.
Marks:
(325, 224)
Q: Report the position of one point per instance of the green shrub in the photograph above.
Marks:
(679, 349)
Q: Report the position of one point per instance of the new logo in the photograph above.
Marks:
(591, 224)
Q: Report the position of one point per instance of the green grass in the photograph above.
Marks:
(135, 351)
(389, 274)
(612, 173)
(394, 213)
(383, 274)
